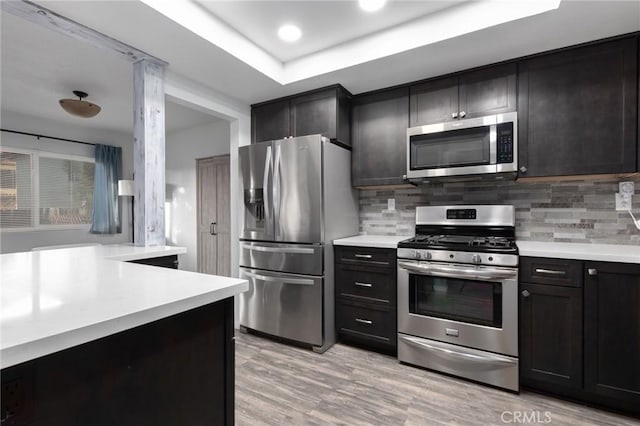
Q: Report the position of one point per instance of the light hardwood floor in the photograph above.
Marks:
(278, 384)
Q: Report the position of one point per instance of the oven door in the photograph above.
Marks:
(467, 305)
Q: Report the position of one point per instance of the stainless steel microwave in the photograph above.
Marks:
(474, 146)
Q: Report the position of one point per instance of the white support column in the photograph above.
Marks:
(148, 153)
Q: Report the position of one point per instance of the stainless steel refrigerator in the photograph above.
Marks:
(297, 199)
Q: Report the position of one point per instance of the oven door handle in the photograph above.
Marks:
(452, 272)
(485, 358)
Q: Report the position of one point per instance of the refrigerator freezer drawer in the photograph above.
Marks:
(290, 258)
(284, 305)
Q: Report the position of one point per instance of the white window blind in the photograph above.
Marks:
(66, 191)
(45, 190)
(16, 190)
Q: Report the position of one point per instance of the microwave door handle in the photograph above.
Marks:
(493, 144)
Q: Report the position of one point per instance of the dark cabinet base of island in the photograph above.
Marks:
(178, 370)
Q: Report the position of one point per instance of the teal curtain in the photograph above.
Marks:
(108, 170)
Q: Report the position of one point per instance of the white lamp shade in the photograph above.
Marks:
(125, 188)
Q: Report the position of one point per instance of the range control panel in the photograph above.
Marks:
(469, 214)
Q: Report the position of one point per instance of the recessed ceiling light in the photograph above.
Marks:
(371, 5)
(289, 33)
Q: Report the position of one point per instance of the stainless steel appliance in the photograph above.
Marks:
(475, 146)
(457, 293)
(297, 199)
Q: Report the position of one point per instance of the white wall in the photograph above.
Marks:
(189, 93)
(14, 241)
(182, 148)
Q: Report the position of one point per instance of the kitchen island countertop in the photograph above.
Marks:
(56, 299)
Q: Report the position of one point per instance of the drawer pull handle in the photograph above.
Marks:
(549, 272)
(363, 284)
(364, 256)
(364, 321)
(592, 271)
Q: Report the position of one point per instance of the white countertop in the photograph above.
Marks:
(580, 251)
(380, 241)
(57, 299)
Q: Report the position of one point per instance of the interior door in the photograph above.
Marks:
(297, 173)
(214, 216)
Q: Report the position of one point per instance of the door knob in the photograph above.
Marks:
(523, 169)
(526, 293)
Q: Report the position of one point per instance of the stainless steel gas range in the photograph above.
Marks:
(457, 293)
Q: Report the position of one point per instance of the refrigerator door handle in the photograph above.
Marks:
(276, 191)
(283, 280)
(265, 188)
(295, 250)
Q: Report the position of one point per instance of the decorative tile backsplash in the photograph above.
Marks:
(570, 211)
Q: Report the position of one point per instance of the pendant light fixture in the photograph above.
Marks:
(78, 106)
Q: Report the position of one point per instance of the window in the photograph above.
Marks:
(40, 190)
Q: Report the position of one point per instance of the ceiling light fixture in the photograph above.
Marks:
(79, 107)
(289, 33)
(371, 5)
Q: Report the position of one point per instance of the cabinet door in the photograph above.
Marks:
(366, 283)
(612, 331)
(270, 121)
(577, 111)
(380, 122)
(314, 113)
(488, 91)
(434, 101)
(551, 335)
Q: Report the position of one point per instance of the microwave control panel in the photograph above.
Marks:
(505, 143)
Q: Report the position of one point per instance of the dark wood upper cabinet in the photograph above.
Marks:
(434, 101)
(612, 332)
(488, 91)
(472, 94)
(324, 111)
(577, 111)
(270, 121)
(380, 122)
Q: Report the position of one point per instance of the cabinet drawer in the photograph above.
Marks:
(540, 270)
(366, 283)
(370, 323)
(366, 255)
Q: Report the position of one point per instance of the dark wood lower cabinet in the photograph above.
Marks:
(370, 325)
(551, 335)
(581, 339)
(175, 371)
(366, 297)
(612, 332)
